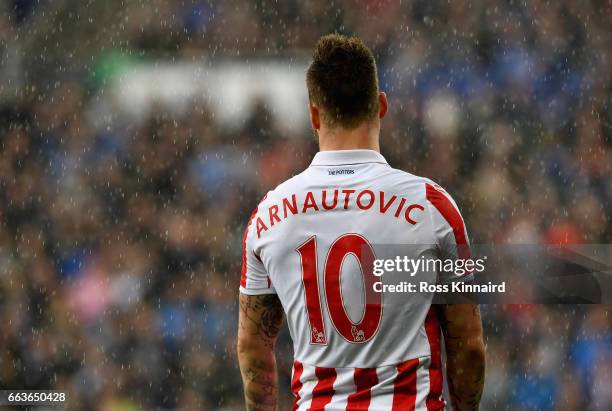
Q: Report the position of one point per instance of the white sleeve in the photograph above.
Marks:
(254, 279)
(449, 232)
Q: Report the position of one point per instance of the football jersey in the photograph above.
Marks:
(312, 240)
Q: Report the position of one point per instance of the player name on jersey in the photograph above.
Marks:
(327, 200)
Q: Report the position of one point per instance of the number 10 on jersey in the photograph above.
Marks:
(344, 246)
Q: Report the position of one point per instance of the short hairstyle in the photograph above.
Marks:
(342, 81)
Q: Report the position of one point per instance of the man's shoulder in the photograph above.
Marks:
(287, 187)
(392, 180)
(405, 176)
(405, 182)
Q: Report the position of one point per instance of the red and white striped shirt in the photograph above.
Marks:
(312, 241)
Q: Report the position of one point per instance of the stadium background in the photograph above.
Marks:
(121, 219)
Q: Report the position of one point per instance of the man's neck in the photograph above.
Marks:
(364, 137)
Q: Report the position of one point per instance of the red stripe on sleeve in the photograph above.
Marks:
(365, 379)
(244, 250)
(296, 383)
(450, 213)
(324, 390)
(434, 399)
(405, 386)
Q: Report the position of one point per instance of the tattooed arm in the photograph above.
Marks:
(465, 354)
(260, 319)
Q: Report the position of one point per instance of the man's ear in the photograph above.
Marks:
(383, 104)
(315, 116)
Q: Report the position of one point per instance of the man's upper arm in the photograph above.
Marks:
(261, 317)
(254, 279)
(261, 313)
(259, 323)
(449, 231)
(460, 322)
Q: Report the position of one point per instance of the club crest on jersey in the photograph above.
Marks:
(318, 336)
(326, 200)
(358, 335)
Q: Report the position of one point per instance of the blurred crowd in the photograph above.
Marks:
(120, 246)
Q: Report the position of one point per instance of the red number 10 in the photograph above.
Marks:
(344, 245)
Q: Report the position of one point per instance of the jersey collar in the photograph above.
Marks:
(347, 157)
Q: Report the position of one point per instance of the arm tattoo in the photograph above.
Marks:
(260, 320)
(465, 370)
(264, 314)
(260, 386)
